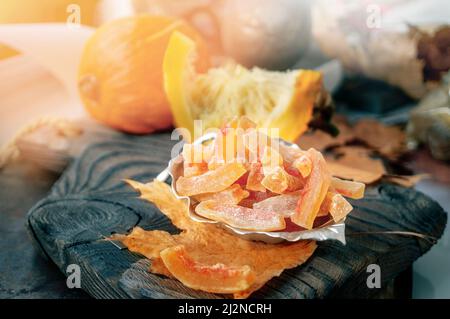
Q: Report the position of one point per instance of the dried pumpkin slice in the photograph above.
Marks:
(215, 278)
(241, 217)
(212, 181)
(314, 192)
(350, 189)
(232, 195)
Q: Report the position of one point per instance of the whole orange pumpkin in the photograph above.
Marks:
(120, 74)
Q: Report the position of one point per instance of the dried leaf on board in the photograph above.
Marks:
(211, 245)
(390, 141)
(350, 173)
(355, 163)
(405, 180)
(321, 140)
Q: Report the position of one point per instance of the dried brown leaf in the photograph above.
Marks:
(350, 173)
(355, 163)
(390, 141)
(321, 140)
(405, 180)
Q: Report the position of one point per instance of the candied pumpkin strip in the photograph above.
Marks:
(283, 204)
(339, 207)
(290, 153)
(212, 181)
(241, 217)
(255, 178)
(279, 181)
(271, 159)
(229, 145)
(276, 179)
(350, 189)
(197, 153)
(256, 142)
(231, 195)
(314, 192)
(255, 197)
(296, 158)
(326, 204)
(303, 164)
(195, 158)
(336, 205)
(194, 169)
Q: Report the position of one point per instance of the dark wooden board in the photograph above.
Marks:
(91, 201)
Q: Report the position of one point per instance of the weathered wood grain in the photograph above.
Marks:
(91, 201)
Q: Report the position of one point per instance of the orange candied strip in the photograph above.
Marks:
(256, 143)
(231, 195)
(212, 181)
(354, 190)
(227, 144)
(279, 181)
(197, 153)
(326, 204)
(276, 179)
(314, 192)
(195, 158)
(339, 207)
(296, 158)
(271, 158)
(194, 169)
(303, 164)
(255, 197)
(241, 217)
(336, 205)
(255, 178)
(283, 204)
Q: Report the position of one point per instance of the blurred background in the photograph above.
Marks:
(385, 65)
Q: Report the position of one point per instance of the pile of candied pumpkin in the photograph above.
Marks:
(253, 181)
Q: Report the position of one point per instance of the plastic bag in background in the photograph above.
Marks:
(390, 40)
